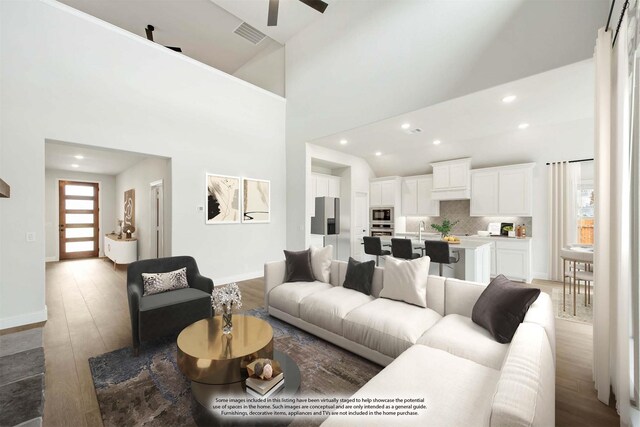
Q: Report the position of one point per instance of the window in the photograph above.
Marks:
(585, 213)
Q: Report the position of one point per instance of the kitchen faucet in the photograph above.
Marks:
(421, 228)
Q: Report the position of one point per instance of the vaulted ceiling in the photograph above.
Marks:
(202, 29)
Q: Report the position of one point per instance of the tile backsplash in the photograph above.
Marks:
(458, 210)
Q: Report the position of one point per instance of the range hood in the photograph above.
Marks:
(452, 180)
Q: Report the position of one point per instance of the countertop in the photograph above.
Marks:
(464, 244)
(499, 238)
(431, 236)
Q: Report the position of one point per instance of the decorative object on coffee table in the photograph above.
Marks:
(444, 228)
(223, 300)
(217, 363)
(264, 369)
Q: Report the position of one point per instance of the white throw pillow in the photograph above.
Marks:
(406, 280)
(155, 283)
(321, 263)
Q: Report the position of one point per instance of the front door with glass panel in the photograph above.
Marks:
(78, 219)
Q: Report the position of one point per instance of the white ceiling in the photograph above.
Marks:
(293, 15)
(558, 96)
(202, 29)
(61, 155)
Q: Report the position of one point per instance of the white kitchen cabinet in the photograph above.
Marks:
(484, 192)
(502, 191)
(516, 192)
(334, 187)
(451, 179)
(323, 186)
(509, 256)
(388, 193)
(416, 197)
(513, 259)
(375, 194)
(409, 196)
(494, 260)
(427, 206)
(385, 192)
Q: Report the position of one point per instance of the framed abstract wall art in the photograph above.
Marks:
(223, 199)
(256, 206)
(130, 208)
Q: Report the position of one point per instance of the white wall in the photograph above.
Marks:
(365, 61)
(70, 77)
(139, 177)
(266, 69)
(355, 177)
(106, 204)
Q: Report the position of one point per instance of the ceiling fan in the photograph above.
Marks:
(272, 19)
(149, 30)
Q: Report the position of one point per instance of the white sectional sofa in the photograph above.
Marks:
(437, 352)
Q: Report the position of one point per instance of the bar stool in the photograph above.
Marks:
(438, 251)
(575, 275)
(403, 248)
(373, 246)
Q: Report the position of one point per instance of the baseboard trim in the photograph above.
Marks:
(540, 275)
(51, 259)
(24, 319)
(217, 281)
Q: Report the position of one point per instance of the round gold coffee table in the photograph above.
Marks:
(207, 356)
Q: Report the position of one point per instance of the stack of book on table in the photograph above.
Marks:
(265, 388)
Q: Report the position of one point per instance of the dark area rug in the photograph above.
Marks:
(150, 390)
(21, 378)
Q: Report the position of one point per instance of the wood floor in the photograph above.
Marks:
(88, 316)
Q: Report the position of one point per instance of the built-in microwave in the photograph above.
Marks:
(381, 214)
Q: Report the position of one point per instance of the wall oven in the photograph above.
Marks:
(381, 214)
(381, 233)
(381, 229)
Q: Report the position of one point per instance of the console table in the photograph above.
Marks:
(120, 251)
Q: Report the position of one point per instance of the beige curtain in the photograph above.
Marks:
(613, 243)
(564, 182)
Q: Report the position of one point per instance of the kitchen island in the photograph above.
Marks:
(475, 258)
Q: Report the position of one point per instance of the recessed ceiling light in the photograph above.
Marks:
(343, 141)
(378, 153)
(75, 166)
(405, 126)
(79, 156)
(508, 99)
(523, 125)
(436, 142)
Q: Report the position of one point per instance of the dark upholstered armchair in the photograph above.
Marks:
(167, 313)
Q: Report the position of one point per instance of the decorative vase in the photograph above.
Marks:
(227, 320)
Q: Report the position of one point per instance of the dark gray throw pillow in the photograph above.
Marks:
(359, 276)
(502, 307)
(298, 266)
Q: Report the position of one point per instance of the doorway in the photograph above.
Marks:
(79, 219)
(157, 219)
(361, 226)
